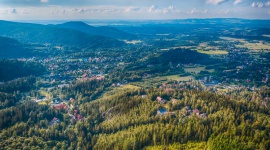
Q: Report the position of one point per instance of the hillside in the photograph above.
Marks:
(103, 31)
(40, 34)
(10, 48)
(182, 56)
(22, 69)
(128, 121)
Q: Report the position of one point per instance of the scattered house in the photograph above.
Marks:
(267, 98)
(203, 115)
(163, 111)
(72, 100)
(63, 85)
(79, 117)
(99, 77)
(188, 107)
(174, 101)
(56, 101)
(168, 90)
(60, 106)
(54, 121)
(212, 83)
(196, 111)
(144, 96)
(39, 100)
(84, 75)
(160, 100)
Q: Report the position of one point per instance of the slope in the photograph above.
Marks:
(35, 33)
(103, 31)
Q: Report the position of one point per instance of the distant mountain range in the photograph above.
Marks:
(103, 31)
(60, 34)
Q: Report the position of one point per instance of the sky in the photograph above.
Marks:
(132, 9)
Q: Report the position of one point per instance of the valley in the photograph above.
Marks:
(178, 84)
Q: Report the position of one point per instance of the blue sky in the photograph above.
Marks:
(132, 9)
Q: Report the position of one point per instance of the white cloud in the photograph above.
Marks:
(237, 2)
(14, 11)
(267, 3)
(44, 1)
(132, 9)
(169, 9)
(216, 2)
(152, 8)
(258, 4)
(196, 11)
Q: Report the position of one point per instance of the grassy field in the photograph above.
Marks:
(232, 39)
(116, 90)
(178, 78)
(196, 70)
(249, 45)
(129, 86)
(255, 46)
(213, 52)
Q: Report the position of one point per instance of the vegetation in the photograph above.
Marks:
(12, 69)
(82, 91)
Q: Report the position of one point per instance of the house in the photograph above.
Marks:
(267, 98)
(203, 115)
(39, 100)
(174, 101)
(160, 100)
(56, 101)
(163, 111)
(144, 96)
(79, 117)
(54, 121)
(196, 111)
(60, 106)
(72, 100)
(168, 90)
(84, 75)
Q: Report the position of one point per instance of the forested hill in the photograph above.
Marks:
(12, 69)
(35, 33)
(183, 56)
(127, 121)
(103, 31)
(10, 48)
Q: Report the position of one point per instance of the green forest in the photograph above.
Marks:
(200, 84)
(126, 120)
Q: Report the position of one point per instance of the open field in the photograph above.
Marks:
(255, 46)
(213, 52)
(232, 39)
(129, 86)
(251, 46)
(194, 70)
(115, 90)
(178, 78)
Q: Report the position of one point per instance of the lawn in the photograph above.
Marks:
(178, 78)
(255, 46)
(213, 52)
(129, 86)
